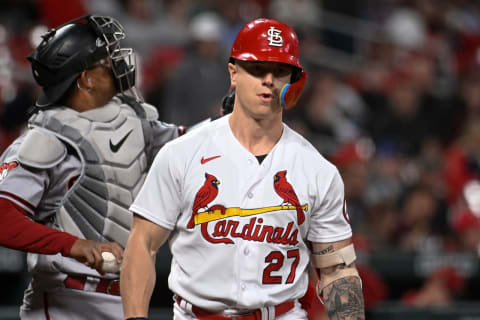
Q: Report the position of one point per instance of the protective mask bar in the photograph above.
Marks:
(123, 59)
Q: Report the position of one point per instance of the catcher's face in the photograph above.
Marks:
(100, 81)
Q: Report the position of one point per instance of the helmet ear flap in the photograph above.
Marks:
(291, 92)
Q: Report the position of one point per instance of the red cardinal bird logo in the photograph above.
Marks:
(204, 196)
(286, 192)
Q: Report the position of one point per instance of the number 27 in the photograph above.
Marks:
(275, 260)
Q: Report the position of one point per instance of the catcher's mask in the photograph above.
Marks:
(66, 51)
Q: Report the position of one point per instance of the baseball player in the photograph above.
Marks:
(67, 183)
(246, 204)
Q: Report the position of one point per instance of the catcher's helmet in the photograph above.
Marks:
(66, 51)
(267, 40)
(272, 40)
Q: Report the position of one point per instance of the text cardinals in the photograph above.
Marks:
(224, 230)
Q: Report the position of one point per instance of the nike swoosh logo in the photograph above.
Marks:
(205, 160)
(116, 147)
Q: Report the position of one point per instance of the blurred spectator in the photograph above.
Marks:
(462, 161)
(462, 108)
(377, 230)
(55, 13)
(197, 87)
(416, 230)
(351, 160)
(151, 25)
(466, 226)
(387, 179)
(235, 14)
(14, 114)
(442, 288)
(157, 71)
(402, 114)
(297, 13)
(464, 16)
(430, 167)
(332, 111)
(113, 8)
(333, 33)
(406, 29)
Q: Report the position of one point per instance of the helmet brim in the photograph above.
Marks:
(51, 94)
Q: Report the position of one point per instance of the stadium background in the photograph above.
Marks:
(393, 99)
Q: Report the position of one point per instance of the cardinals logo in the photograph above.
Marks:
(207, 193)
(286, 192)
(5, 168)
(225, 229)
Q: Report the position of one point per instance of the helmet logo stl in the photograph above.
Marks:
(274, 37)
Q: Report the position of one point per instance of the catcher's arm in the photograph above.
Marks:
(137, 278)
(339, 283)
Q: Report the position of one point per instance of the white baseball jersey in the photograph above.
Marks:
(240, 228)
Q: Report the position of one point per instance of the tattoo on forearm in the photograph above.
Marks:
(344, 299)
(326, 250)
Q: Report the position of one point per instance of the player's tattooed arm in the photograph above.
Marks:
(326, 250)
(343, 298)
(339, 286)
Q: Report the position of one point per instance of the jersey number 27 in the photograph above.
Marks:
(275, 260)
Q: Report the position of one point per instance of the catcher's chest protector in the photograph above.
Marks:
(111, 146)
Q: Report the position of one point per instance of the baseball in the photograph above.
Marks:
(109, 263)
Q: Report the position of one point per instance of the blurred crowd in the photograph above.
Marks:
(392, 99)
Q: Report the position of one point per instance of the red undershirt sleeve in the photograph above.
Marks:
(20, 233)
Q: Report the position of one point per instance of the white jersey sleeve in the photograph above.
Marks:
(160, 192)
(329, 222)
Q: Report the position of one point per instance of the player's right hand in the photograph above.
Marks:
(89, 252)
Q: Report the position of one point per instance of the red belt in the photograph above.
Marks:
(202, 314)
(104, 285)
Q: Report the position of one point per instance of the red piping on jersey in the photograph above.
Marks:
(17, 198)
(20, 233)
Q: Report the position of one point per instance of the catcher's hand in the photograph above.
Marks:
(89, 252)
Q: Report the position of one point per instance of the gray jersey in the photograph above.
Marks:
(42, 168)
(115, 145)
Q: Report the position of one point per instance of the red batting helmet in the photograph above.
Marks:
(272, 40)
(267, 40)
